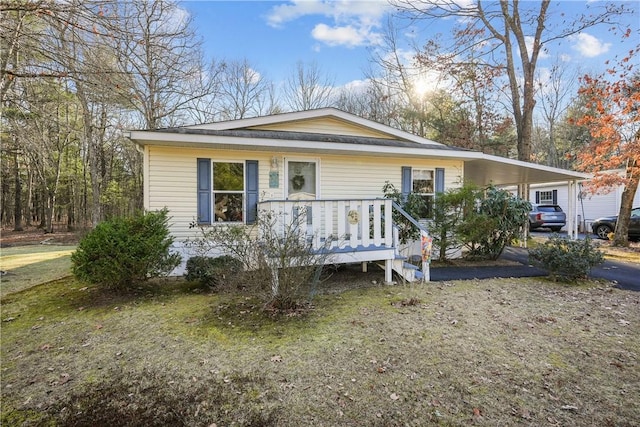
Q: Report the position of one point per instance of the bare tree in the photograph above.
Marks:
(161, 58)
(555, 96)
(244, 92)
(510, 35)
(308, 88)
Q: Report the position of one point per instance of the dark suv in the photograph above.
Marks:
(603, 226)
(547, 216)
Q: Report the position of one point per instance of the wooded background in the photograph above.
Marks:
(76, 75)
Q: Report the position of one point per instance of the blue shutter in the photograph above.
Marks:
(251, 188)
(439, 184)
(537, 197)
(406, 181)
(555, 197)
(204, 191)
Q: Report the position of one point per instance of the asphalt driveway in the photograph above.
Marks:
(625, 275)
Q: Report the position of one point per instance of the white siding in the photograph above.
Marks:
(326, 125)
(172, 178)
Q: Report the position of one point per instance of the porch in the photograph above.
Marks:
(352, 231)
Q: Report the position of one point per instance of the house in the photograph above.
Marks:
(590, 206)
(329, 161)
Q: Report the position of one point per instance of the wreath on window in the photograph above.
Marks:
(297, 182)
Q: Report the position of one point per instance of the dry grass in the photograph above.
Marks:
(492, 352)
(27, 266)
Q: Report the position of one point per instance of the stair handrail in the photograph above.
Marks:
(409, 218)
(424, 236)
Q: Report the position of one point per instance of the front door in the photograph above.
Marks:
(302, 180)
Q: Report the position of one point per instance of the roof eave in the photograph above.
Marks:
(268, 144)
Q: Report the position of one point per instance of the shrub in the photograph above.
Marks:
(279, 263)
(413, 204)
(212, 272)
(497, 221)
(122, 252)
(450, 209)
(566, 260)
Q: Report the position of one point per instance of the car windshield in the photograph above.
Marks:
(549, 209)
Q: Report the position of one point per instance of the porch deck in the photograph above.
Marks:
(349, 231)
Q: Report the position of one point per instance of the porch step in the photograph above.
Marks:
(407, 271)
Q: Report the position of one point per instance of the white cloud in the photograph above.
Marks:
(346, 35)
(589, 45)
(341, 23)
(529, 42)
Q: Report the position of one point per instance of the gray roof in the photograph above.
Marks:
(306, 136)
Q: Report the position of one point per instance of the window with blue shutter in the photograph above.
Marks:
(424, 183)
(227, 191)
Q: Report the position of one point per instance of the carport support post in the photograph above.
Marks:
(572, 220)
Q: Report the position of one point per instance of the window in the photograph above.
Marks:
(546, 197)
(228, 191)
(422, 184)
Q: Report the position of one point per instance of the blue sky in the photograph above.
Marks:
(339, 35)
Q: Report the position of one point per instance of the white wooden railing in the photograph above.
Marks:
(337, 224)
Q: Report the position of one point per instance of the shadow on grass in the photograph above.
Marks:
(151, 397)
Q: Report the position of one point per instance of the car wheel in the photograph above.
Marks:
(555, 229)
(602, 231)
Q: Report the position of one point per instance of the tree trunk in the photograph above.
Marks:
(17, 212)
(29, 214)
(621, 235)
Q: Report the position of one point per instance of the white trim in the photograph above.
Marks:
(268, 144)
(146, 200)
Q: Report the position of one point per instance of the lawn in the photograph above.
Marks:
(27, 266)
(483, 352)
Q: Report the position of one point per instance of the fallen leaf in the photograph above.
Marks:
(45, 347)
(476, 412)
(98, 326)
(64, 378)
(394, 396)
(276, 358)
(624, 322)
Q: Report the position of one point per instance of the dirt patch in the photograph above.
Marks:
(36, 236)
(482, 352)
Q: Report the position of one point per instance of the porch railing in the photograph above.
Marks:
(425, 242)
(348, 226)
(337, 224)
